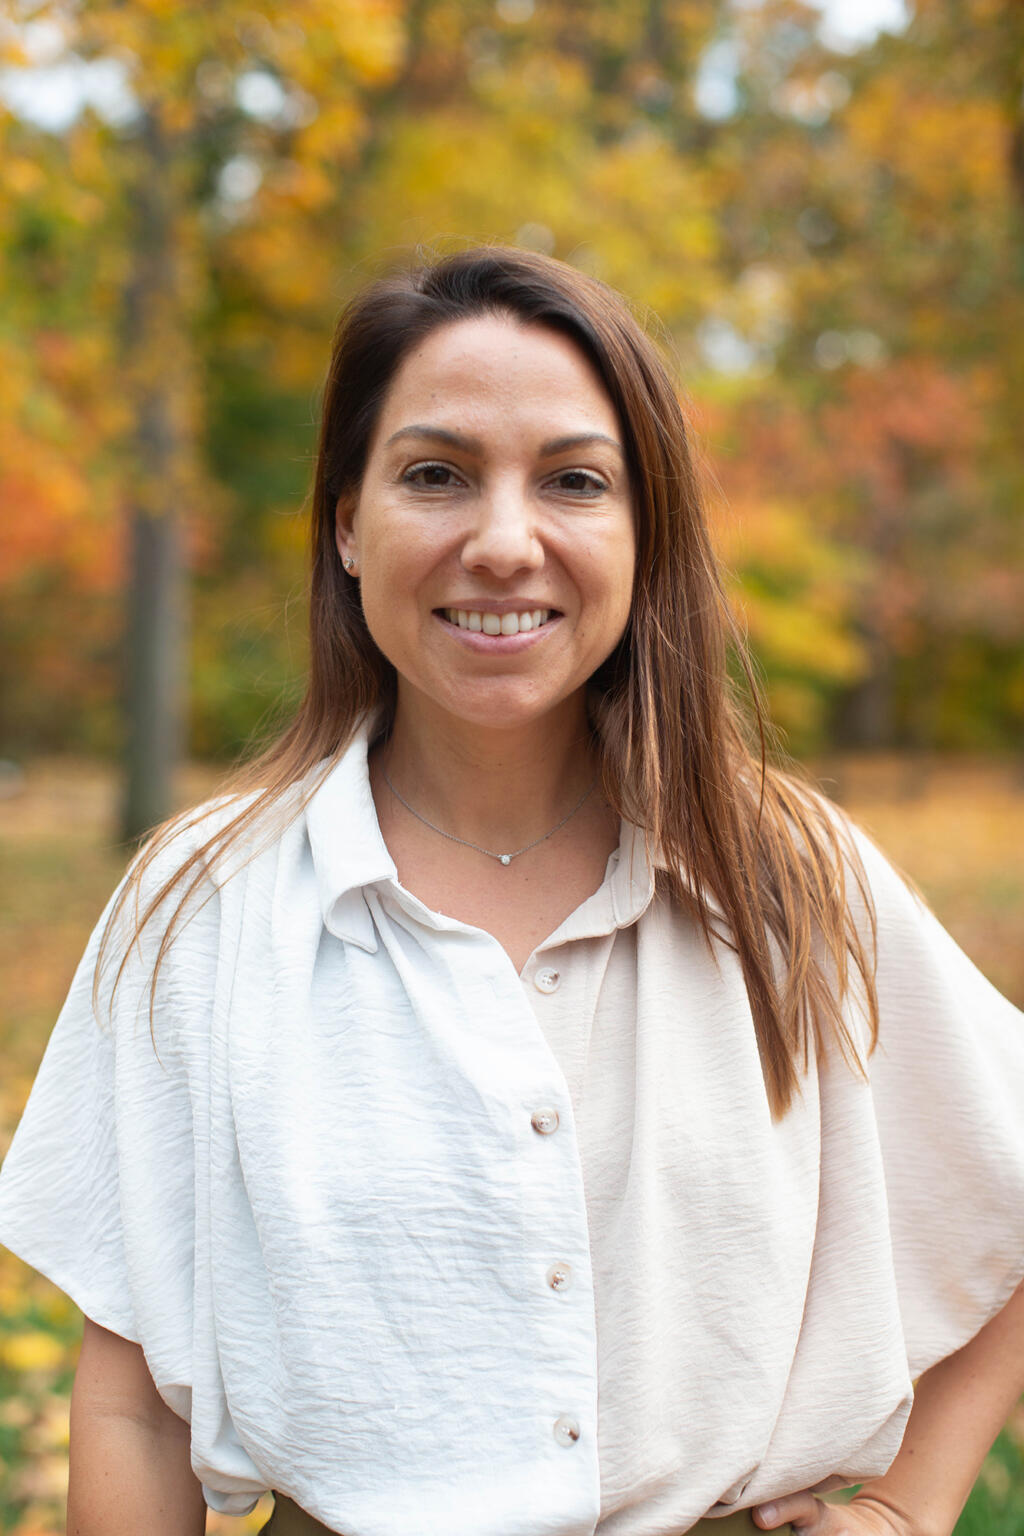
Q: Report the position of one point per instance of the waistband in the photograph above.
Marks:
(288, 1519)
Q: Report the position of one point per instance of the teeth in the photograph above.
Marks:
(497, 623)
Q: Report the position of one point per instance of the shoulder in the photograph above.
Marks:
(883, 891)
(927, 987)
(218, 838)
(887, 921)
(167, 912)
(870, 878)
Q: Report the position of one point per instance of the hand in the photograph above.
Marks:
(810, 1516)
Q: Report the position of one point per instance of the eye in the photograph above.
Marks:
(431, 476)
(581, 482)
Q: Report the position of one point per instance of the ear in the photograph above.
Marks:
(345, 531)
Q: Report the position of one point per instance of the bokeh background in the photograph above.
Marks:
(817, 207)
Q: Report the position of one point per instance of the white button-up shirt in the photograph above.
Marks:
(434, 1247)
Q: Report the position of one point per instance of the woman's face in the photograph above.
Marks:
(493, 533)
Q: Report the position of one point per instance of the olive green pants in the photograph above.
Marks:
(289, 1520)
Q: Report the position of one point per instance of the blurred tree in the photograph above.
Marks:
(832, 237)
(149, 181)
(875, 242)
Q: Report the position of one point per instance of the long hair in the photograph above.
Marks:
(677, 755)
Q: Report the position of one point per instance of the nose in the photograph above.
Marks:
(503, 538)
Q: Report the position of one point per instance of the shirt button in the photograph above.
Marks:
(566, 1430)
(559, 1277)
(544, 1121)
(546, 981)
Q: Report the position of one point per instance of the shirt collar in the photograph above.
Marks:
(622, 897)
(349, 854)
(346, 844)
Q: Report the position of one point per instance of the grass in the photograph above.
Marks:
(956, 828)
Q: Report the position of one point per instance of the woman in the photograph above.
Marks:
(506, 1150)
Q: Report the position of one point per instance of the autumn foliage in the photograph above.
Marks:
(831, 236)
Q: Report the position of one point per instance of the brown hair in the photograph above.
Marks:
(672, 741)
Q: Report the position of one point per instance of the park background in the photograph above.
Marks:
(819, 207)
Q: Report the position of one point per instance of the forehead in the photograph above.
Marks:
(494, 372)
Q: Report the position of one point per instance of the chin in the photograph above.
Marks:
(501, 710)
(500, 719)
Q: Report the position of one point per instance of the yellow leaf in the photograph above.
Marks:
(32, 1350)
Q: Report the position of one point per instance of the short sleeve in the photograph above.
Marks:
(947, 1080)
(97, 1189)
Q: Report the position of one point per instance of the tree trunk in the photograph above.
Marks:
(154, 672)
(156, 369)
(864, 717)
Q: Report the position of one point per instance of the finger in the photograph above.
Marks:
(801, 1511)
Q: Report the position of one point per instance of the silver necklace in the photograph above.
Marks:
(502, 858)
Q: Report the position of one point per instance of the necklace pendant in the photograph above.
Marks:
(506, 858)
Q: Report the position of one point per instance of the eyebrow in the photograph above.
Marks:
(473, 445)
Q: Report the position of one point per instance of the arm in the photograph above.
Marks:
(130, 1467)
(960, 1405)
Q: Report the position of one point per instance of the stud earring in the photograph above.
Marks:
(349, 563)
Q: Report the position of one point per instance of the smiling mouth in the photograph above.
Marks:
(482, 622)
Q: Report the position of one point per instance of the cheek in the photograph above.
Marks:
(397, 565)
(396, 558)
(627, 574)
(612, 573)
(619, 602)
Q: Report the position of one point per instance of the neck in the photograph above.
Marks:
(496, 788)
